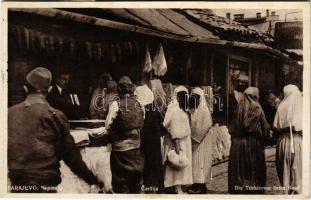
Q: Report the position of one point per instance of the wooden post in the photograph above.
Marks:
(204, 66)
(227, 88)
(187, 67)
(212, 68)
(208, 62)
(256, 73)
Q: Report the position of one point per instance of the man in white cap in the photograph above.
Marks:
(38, 138)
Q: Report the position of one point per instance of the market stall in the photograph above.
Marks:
(95, 153)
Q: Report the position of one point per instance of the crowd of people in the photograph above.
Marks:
(153, 150)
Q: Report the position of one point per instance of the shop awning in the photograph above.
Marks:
(168, 30)
(163, 23)
(165, 20)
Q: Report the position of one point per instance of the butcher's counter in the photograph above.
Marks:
(95, 153)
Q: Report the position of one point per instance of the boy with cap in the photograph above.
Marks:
(38, 138)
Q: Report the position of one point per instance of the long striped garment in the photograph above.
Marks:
(249, 116)
(248, 129)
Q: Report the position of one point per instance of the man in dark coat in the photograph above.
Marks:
(60, 98)
(38, 138)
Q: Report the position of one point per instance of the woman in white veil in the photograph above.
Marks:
(202, 147)
(288, 126)
(177, 123)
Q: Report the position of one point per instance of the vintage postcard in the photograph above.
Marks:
(155, 100)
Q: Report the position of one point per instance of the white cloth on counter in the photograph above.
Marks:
(97, 131)
(80, 136)
(97, 160)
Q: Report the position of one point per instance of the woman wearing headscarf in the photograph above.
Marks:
(97, 108)
(202, 149)
(159, 95)
(288, 126)
(249, 130)
(235, 96)
(153, 181)
(177, 123)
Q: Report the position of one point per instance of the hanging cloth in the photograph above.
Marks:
(188, 67)
(159, 63)
(148, 63)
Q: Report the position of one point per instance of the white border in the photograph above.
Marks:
(305, 6)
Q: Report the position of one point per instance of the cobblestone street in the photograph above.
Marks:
(219, 184)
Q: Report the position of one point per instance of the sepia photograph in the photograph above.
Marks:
(156, 100)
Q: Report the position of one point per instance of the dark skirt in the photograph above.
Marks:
(153, 178)
(247, 168)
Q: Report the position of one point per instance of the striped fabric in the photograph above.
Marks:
(202, 159)
(249, 116)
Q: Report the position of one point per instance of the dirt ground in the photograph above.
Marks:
(219, 183)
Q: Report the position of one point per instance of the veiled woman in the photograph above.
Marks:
(288, 126)
(249, 129)
(202, 147)
(177, 123)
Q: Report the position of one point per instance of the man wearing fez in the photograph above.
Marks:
(38, 138)
(60, 98)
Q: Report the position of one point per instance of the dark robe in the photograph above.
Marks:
(151, 147)
(249, 129)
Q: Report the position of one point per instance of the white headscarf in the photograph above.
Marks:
(178, 89)
(201, 119)
(159, 95)
(176, 120)
(290, 109)
(144, 95)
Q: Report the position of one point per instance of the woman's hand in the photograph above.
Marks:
(177, 145)
(108, 189)
(94, 189)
